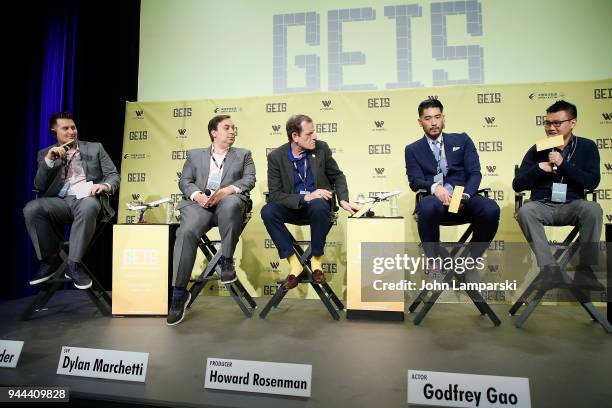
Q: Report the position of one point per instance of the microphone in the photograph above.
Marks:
(67, 146)
(554, 165)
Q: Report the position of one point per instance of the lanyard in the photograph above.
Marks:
(215, 161)
(67, 165)
(303, 179)
(573, 150)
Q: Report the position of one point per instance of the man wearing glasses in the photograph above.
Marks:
(557, 180)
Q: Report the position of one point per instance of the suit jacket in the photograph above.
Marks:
(238, 170)
(325, 172)
(462, 163)
(98, 167)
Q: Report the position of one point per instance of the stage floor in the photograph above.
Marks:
(354, 363)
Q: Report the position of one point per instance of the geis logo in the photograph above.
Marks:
(276, 130)
(489, 122)
(139, 114)
(326, 105)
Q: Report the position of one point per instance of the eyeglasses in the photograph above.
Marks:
(555, 123)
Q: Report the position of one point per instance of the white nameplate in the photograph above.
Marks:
(467, 390)
(258, 376)
(10, 350)
(99, 363)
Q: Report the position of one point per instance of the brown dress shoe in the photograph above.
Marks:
(318, 277)
(291, 282)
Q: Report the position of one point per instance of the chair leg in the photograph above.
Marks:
(420, 297)
(591, 310)
(330, 308)
(523, 298)
(98, 295)
(483, 306)
(204, 277)
(428, 304)
(530, 308)
(41, 299)
(237, 296)
(274, 301)
(332, 295)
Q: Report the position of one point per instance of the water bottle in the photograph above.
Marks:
(170, 212)
(393, 211)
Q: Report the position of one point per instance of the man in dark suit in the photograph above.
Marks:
(437, 163)
(70, 176)
(215, 183)
(557, 180)
(301, 177)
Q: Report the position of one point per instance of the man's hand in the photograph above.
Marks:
(350, 207)
(218, 196)
(98, 188)
(443, 195)
(319, 193)
(555, 158)
(201, 199)
(55, 153)
(546, 166)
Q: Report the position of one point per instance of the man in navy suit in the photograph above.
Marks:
(437, 163)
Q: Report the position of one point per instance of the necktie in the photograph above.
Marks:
(438, 155)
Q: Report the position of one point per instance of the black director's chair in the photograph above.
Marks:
(325, 292)
(211, 250)
(480, 303)
(563, 254)
(96, 292)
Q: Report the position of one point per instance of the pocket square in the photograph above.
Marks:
(455, 148)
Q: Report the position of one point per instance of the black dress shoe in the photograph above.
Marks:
(585, 279)
(550, 277)
(80, 279)
(177, 308)
(318, 277)
(228, 272)
(46, 269)
(291, 282)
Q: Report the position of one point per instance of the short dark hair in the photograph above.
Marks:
(430, 103)
(294, 124)
(562, 105)
(58, 115)
(214, 122)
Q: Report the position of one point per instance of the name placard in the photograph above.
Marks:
(467, 390)
(99, 363)
(549, 143)
(10, 350)
(258, 376)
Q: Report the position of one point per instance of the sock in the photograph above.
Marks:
(315, 263)
(178, 292)
(296, 266)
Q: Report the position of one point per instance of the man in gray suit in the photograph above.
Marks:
(70, 176)
(215, 183)
(301, 176)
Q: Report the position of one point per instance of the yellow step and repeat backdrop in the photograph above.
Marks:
(367, 132)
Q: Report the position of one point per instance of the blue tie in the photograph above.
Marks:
(438, 156)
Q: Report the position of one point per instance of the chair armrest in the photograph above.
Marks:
(485, 190)
(107, 211)
(593, 194)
